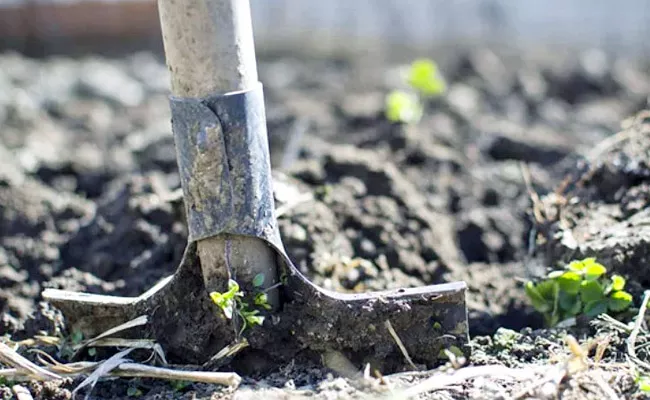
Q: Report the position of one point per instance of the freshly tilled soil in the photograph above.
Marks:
(89, 187)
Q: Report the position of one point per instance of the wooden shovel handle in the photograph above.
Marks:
(208, 45)
(209, 49)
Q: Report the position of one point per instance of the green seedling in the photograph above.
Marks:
(262, 300)
(643, 381)
(424, 81)
(582, 288)
(403, 107)
(258, 280)
(227, 301)
(425, 78)
(231, 303)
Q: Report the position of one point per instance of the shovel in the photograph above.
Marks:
(234, 246)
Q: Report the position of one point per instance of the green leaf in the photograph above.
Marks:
(570, 303)
(403, 107)
(576, 266)
(554, 274)
(233, 289)
(588, 261)
(262, 300)
(569, 282)
(425, 78)
(591, 291)
(251, 317)
(595, 308)
(618, 282)
(258, 280)
(225, 301)
(619, 301)
(644, 384)
(255, 320)
(77, 337)
(594, 271)
(548, 289)
(536, 298)
(92, 352)
(551, 319)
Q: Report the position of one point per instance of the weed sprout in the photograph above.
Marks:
(425, 82)
(582, 288)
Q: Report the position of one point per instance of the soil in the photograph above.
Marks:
(89, 191)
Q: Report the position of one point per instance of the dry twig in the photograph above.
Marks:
(444, 380)
(103, 369)
(139, 321)
(129, 370)
(399, 343)
(132, 370)
(631, 340)
(538, 206)
(226, 353)
(9, 356)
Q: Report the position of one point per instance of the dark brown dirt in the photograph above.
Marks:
(601, 208)
(88, 172)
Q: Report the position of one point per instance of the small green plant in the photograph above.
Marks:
(231, 303)
(582, 288)
(643, 382)
(425, 77)
(403, 107)
(425, 81)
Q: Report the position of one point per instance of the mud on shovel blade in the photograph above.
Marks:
(219, 130)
